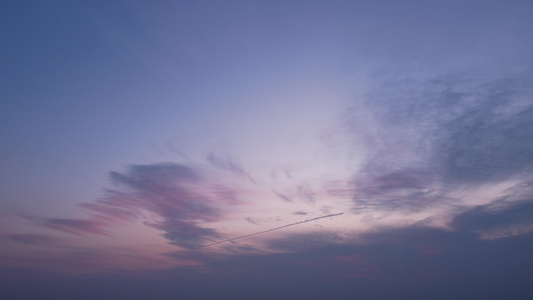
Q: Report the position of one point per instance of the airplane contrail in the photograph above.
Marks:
(269, 230)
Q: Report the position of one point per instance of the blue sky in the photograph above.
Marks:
(387, 144)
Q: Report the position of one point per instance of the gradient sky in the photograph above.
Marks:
(266, 149)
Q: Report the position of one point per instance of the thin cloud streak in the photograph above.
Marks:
(270, 230)
(76, 226)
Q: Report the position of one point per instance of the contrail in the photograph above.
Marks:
(269, 230)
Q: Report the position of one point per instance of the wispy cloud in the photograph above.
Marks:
(301, 213)
(283, 197)
(170, 192)
(426, 139)
(229, 164)
(76, 226)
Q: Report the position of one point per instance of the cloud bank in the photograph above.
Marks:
(430, 140)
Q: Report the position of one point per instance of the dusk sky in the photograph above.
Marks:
(266, 149)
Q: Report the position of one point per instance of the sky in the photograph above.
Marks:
(266, 149)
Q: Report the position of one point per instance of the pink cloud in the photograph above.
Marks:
(176, 199)
(76, 226)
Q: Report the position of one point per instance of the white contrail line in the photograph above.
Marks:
(269, 230)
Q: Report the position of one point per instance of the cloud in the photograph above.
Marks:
(404, 189)
(483, 217)
(229, 164)
(463, 127)
(306, 193)
(171, 193)
(271, 230)
(153, 177)
(111, 213)
(492, 222)
(283, 197)
(76, 226)
(251, 220)
(185, 234)
(426, 138)
(412, 261)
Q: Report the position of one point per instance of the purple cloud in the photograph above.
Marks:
(173, 192)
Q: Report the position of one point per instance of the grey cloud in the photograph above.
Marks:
(301, 213)
(414, 262)
(282, 197)
(462, 128)
(150, 178)
(411, 190)
(483, 217)
(251, 220)
(411, 263)
(484, 149)
(302, 242)
(185, 234)
(426, 137)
